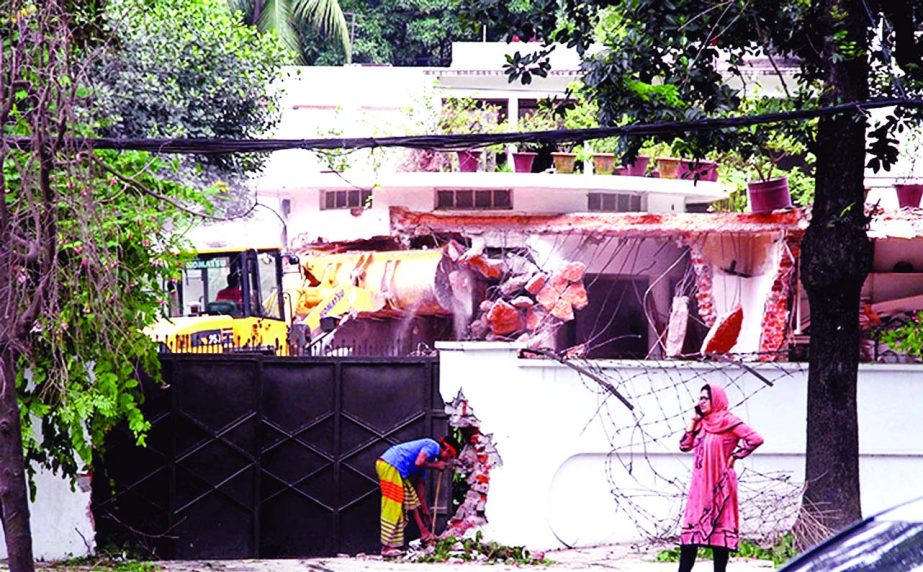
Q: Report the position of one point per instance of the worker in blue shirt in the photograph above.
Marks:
(400, 472)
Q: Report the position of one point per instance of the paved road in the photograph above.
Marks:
(609, 558)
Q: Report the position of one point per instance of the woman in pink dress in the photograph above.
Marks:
(718, 438)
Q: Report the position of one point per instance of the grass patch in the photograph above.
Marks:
(102, 562)
(780, 553)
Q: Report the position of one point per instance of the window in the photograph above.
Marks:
(486, 199)
(345, 199)
(613, 202)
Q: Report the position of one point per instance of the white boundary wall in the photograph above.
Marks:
(552, 489)
(62, 525)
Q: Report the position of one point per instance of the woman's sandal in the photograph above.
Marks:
(391, 552)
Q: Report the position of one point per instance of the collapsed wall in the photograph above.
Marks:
(475, 461)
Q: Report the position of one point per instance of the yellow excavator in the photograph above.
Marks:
(234, 300)
(227, 300)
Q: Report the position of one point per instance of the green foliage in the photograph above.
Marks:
(664, 62)
(186, 68)
(465, 115)
(323, 18)
(398, 32)
(336, 160)
(542, 119)
(763, 147)
(779, 553)
(104, 562)
(907, 338)
(469, 116)
(117, 248)
(474, 549)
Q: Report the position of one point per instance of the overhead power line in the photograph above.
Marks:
(467, 141)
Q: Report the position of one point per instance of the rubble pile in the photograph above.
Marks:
(475, 461)
(527, 303)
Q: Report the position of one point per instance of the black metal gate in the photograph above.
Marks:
(259, 456)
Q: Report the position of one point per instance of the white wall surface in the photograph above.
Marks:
(532, 193)
(62, 526)
(554, 431)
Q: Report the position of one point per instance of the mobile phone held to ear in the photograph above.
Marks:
(698, 411)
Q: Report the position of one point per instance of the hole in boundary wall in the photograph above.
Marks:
(471, 481)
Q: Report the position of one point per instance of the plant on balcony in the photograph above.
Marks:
(909, 186)
(578, 112)
(459, 116)
(540, 119)
(423, 119)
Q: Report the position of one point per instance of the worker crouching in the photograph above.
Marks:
(401, 472)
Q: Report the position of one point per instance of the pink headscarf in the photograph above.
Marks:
(719, 419)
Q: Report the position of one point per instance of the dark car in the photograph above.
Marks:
(891, 540)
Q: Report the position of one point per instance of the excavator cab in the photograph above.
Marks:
(242, 284)
(227, 300)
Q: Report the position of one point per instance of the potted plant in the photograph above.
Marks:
(603, 156)
(603, 163)
(660, 153)
(565, 160)
(638, 168)
(578, 112)
(766, 149)
(468, 116)
(526, 151)
(909, 188)
(767, 185)
(909, 194)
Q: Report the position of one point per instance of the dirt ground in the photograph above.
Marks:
(610, 558)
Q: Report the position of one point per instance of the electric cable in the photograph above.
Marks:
(207, 146)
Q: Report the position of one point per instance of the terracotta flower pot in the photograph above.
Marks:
(522, 161)
(469, 160)
(701, 171)
(603, 163)
(668, 167)
(909, 195)
(636, 169)
(767, 196)
(564, 162)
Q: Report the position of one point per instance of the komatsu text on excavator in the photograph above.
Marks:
(227, 300)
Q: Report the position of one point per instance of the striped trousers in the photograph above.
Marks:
(397, 497)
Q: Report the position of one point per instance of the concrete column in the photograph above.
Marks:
(512, 118)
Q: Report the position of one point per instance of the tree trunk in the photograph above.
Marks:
(14, 499)
(836, 258)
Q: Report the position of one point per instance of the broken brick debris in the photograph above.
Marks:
(475, 461)
(536, 283)
(504, 318)
(489, 268)
(514, 285)
(527, 306)
(522, 302)
(563, 310)
(534, 318)
(576, 296)
(573, 271)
